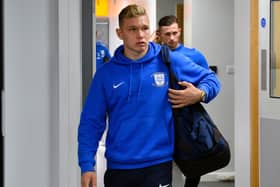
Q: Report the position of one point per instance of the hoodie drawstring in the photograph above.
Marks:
(131, 78)
(140, 84)
(130, 82)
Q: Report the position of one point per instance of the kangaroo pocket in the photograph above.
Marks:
(144, 139)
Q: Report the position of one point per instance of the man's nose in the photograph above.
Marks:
(140, 33)
(172, 36)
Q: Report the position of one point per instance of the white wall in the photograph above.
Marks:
(217, 29)
(214, 37)
(70, 90)
(241, 82)
(42, 92)
(31, 92)
(241, 94)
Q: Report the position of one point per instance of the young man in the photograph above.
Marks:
(169, 34)
(132, 91)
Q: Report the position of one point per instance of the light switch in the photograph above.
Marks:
(230, 69)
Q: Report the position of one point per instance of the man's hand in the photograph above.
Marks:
(89, 179)
(189, 95)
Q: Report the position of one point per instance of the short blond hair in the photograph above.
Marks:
(131, 11)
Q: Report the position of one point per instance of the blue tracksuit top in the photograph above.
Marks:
(133, 95)
(195, 55)
(102, 53)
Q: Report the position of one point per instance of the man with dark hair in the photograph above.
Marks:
(169, 33)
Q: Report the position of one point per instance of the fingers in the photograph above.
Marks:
(88, 179)
(180, 103)
(180, 98)
(175, 94)
(185, 84)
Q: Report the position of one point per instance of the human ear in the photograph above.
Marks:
(119, 33)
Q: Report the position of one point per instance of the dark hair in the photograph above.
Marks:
(167, 20)
(131, 11)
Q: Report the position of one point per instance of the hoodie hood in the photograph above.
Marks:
(135, 82)
(153, 51)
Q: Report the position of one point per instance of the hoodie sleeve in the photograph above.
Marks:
(186, 70)
(201, 60)
(92, 125)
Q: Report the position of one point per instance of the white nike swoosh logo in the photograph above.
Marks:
(118, 85)
(163, 185)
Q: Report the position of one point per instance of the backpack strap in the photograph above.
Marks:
(166, 60)
(165, 54)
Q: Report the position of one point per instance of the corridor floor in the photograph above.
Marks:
(178, 181)
(215, 184)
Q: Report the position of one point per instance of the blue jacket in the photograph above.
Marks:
(193, 54)
(133, 95)
(102, 54)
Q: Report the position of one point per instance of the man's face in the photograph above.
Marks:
(135, 33)
(170, 35)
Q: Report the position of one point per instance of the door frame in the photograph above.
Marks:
(254, 92)
(70, 95)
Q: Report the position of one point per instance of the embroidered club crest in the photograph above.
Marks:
(159, 79)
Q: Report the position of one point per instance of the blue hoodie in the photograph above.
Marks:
(133, 95)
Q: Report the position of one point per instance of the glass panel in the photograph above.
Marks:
(275, 50)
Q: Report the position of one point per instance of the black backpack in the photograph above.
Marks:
(200, 147)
